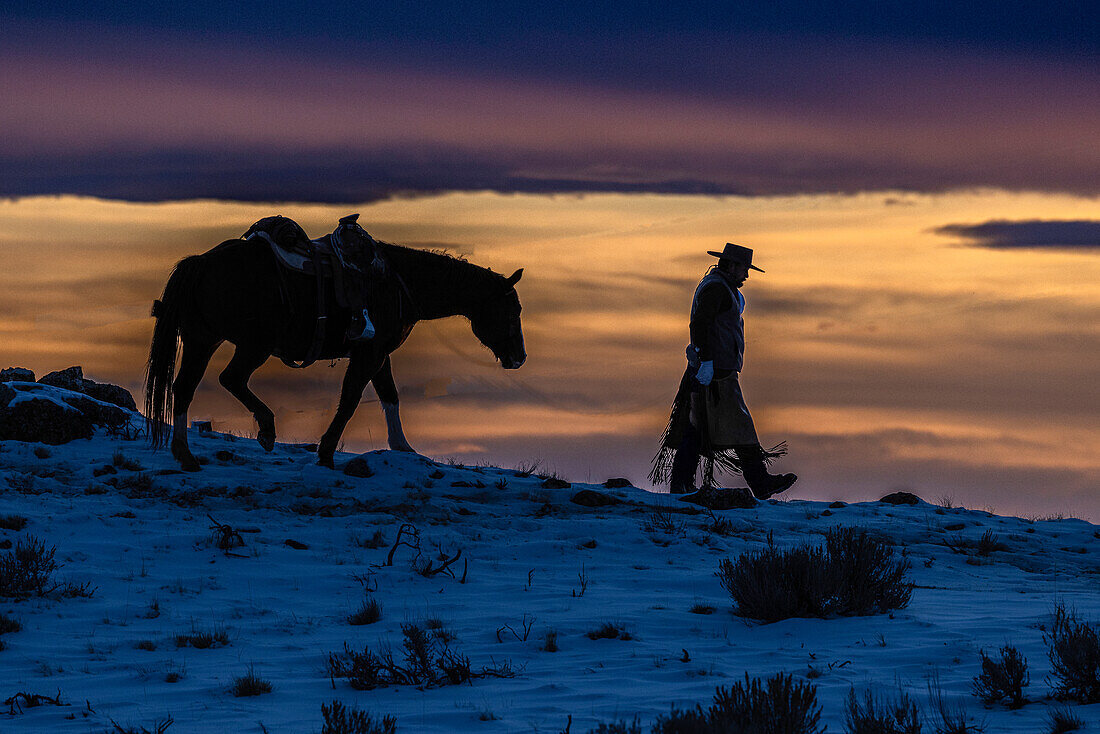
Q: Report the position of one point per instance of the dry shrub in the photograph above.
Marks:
(608, 631)
(1074, 649)
(216, 637)
(369, 613)
(250, 684)
(1062, 721)
(26, 570)
(427, 660)
(13, 522)
(875, 715)
(852, 574)
(119, 459)
(1003, 679)
(9, 625)
(778, 705)
(341, 720)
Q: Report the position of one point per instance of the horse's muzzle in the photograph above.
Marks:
(513, 364)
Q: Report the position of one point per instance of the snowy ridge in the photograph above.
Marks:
(142, 537)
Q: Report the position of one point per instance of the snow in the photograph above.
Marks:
(157, 574)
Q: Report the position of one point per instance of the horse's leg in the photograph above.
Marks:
(234, 378)
(387, 394)
(192, 366)
(361, 368)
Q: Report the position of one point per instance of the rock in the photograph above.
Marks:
(6, 395)
(296, 544)
(722, 498)
(901, 498)
(592, 498)
(70, 379)
(98, 413)
(43, 421)
(114, 394)
(73, 379)
(617, 483)
(358, 467)
(837, 505)
(105, 469)
(16, 374)
(955, 526)
(555, 483)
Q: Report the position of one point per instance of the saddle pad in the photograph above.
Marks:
(299, 259)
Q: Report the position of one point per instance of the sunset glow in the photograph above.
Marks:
(886, 354)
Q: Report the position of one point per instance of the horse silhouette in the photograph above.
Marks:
(237, 293)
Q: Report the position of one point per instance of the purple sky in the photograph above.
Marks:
(317, 108)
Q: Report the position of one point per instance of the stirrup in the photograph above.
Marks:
(367, 332)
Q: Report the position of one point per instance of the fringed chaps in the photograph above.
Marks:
(724, 459)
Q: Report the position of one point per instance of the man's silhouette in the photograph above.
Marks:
(710, 417)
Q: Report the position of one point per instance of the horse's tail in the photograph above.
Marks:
(161, 367)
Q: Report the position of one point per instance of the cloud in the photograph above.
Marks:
(184, 118)
(1073, 234)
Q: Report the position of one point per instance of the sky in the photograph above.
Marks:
(919, 182)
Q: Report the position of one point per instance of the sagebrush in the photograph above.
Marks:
(1074, 649)
(854, 573)
(1003, 679)
(777, 705)
(339, 719)
(881, 715)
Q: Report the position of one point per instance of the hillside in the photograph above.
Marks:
(305, 547)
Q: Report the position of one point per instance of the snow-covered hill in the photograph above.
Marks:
(533, 564)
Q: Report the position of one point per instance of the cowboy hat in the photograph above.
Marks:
(737, 253)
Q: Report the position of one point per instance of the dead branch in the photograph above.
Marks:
(31, 700)
(404, 530)
(224, 536)
(431, 570)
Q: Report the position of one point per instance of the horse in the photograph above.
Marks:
(236, 292)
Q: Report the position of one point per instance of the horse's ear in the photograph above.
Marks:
(349, 219)
(514, 278)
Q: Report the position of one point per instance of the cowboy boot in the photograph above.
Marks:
(755, 470)
(356, 334)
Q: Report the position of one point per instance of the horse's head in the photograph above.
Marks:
(495, 321)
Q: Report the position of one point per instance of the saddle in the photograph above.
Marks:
(322, 258)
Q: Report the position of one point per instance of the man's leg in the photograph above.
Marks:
(685, 462)
(755, 470)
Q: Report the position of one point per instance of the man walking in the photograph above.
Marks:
(709, 417)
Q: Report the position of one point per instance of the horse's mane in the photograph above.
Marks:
(452, 267)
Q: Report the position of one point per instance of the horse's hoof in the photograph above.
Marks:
(267, 440)
(403, 447)
(186, 459)
(326, 461)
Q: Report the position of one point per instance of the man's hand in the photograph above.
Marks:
(705, 373)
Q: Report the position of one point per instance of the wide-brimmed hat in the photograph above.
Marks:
(737, 253)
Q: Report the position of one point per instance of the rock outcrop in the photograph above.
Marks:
(73, 379)
(61, 407)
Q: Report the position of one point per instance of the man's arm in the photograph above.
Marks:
(713, 300)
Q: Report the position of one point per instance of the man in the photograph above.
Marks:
(710, 417)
